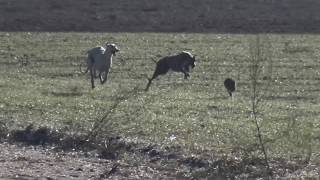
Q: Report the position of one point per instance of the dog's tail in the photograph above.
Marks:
(82, 66)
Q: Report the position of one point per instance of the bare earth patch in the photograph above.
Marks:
(38, 163)
(43, 154)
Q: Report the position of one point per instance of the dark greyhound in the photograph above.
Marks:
(178, 63)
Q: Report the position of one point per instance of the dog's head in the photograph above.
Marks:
(112, 48)
(191, 59)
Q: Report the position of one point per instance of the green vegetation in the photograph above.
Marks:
(40, 83)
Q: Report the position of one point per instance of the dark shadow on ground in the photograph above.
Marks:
(205, 16)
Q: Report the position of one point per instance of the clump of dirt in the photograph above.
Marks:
(32, 136)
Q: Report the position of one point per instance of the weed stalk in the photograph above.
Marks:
(259, 55)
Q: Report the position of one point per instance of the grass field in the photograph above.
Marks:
(40, 83)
